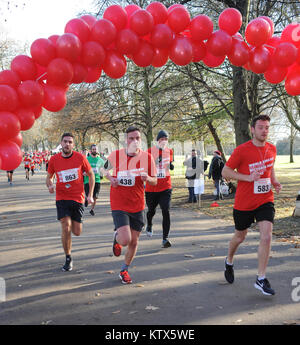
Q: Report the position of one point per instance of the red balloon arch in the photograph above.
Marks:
(90, 46)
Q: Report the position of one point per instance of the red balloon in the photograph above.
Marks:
(42, 51)
(24, 66)
(144, 55)
(93, 54)
(201, 28)
(275, 74)
(127, 41)
(270, 21)
(199, 51)
(115, 65)
(213, 61)
(274, 41)
(179, 19)
(68, 46)
(259, 59)
(219, 43)
(141, 22)
(8, 98)
(53, 38)
(26, 118)
(78, 27)
(117, 15)
(60, 72)
(93, 74)
(161, 36)
(89, 19)
(104, 32)
(18, 139)
(239, 53)
(37, 111)
(292, 83)
(9, 125)
(31, 94)
(258, 31)
(80, 73)
(291, 33)
(158, 11)
(181, 52)
(285, 54)
(130, 9)
(55, 98)
(10, 78)
(160, 57)
(230, 20)
(10, 155)
(174, 6)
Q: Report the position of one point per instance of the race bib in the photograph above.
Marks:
(161, 173)
(96, 170)
(125, 179)
(68, 175)
(262, 186)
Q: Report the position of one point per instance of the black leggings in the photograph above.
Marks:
(163, 199)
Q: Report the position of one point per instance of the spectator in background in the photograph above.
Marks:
(194, 167)
(215, 172)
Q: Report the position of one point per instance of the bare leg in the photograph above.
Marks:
(264, 248)
(237, 239)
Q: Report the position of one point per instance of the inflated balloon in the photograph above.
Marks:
(259, 59)
(161, 36)
(37, 111)
(115, 65)
(24, 66)
(160, 57)
(117, 15)
(93, 74)
(141, 22)
(89, 19)
(230, 20)
(59, 72)
(41, 72)
(292, 84)
(10, 155)
(174, 6)
(26, 118)
(55, 98)
(31, 94)
(275, 74)
(18, 139)
(212, 60)
(9, 125)
(239, 53)
(42, 51)
(130, 9)
(53, 38)
(219, 43)
(179, 19)
(291, 33)
(270, 21)
(78, 27)
(144, 55)
(9, 77)
(201, 28)
(158, 11)
(79, 73)
(68, 46)
(274, 41)
(8, 98)
(104, 32)
(181, 51)
(258, 31)
(93, 54)
(199, 51)
(127, 41)
(285, 54)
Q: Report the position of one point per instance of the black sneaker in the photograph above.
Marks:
(92, 212)
(149, 231)
(166, 244)
(68, 266)
(264, 286)
(229, 273)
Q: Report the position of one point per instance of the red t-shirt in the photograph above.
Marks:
(27, 162)
(69, 175)
(247, 158)
(128, 196)
(162, 159)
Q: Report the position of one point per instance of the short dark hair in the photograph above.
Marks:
(67, 135)
(93, 145)
(132, 128)
(260, 117)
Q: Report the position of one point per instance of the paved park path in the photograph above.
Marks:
(181, 285)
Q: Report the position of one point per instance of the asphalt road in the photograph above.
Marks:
(180, 285)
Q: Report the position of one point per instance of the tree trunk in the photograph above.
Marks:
(217, 139)
(292, 145)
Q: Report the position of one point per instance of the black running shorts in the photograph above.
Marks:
(69, 208)
(136, 221)
(243, 219)
(96, 190)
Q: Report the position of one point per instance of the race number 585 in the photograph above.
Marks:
(296, 290)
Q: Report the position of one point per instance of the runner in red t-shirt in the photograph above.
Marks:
(161, 193)
(68, 166)
(254, 200)
(27, 163)
(131, 168)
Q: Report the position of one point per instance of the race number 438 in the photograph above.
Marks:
(296, 290)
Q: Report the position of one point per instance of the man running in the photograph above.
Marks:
(131, 168)
(254, 199)
(160, 194)
(9, 174)
(27, 162)
(69, 166)
(96, 163)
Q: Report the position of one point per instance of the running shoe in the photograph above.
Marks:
(68, 266)
(264, 286)
(117, 248)
(166, 244)
(149, 231)
(125, 277)
(229, 273)
(92, 212)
